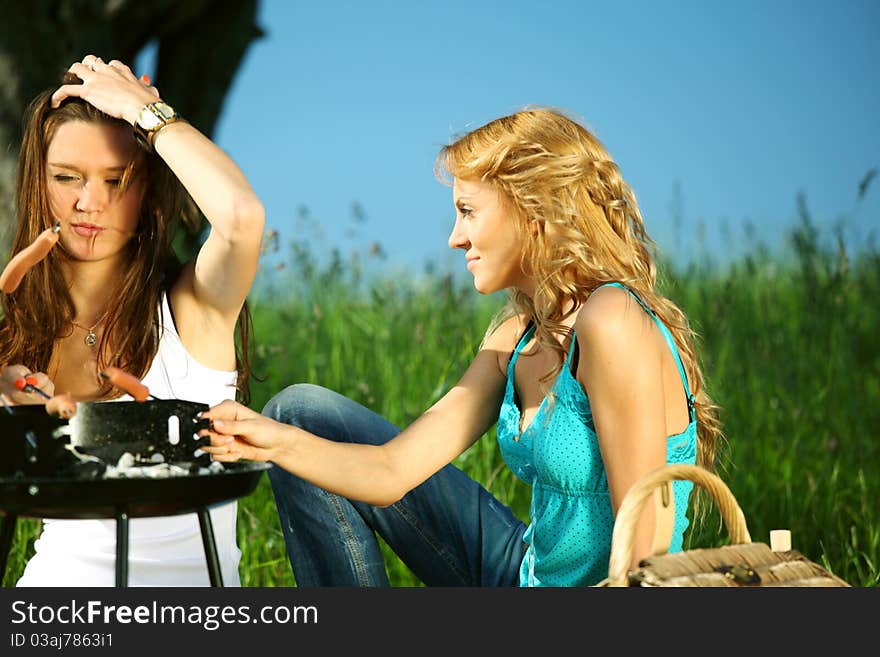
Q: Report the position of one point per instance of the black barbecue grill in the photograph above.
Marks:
(55, 468)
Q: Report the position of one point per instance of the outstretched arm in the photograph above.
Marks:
(379, 475)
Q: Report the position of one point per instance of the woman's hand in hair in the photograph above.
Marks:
(18, 385)
(109, 86)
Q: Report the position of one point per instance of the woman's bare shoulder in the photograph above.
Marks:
(611, 317)
(502, 339)
(505, 334)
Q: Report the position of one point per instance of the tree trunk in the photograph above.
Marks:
(200, 45)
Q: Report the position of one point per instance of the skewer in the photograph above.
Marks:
(27, 385)
(28, 435)
(12, 275)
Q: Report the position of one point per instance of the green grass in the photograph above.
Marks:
(790, 347)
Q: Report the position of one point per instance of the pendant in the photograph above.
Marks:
(91, 338)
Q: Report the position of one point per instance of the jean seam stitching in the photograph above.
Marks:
(351, 542)
(438, 548)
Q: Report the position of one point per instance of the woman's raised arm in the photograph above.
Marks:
(227, 262)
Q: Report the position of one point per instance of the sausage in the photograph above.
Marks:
(127, 383)
(22, 261)
(63, 405)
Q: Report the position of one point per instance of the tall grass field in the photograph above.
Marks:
(790, 346)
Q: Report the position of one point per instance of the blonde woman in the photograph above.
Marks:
(590, 374)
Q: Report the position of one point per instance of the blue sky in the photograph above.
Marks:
(718, 113)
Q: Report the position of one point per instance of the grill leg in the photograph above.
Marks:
(7, 532)
(121, 549)
(210, 547)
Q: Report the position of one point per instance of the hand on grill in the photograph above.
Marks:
(237, 432)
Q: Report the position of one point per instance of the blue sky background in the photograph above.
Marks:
(718, 113)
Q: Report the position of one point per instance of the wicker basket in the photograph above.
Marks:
(743, 563)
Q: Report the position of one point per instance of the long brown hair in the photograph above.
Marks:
(41, 310)
(582, 228)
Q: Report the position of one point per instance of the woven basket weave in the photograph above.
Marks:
(743, 563)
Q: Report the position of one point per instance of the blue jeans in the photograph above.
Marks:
(449, 530)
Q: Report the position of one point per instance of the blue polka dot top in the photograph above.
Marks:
(568, 538)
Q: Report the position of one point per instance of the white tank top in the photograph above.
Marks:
(163, 551)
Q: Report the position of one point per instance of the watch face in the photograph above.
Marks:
(147, 120)
(164, 110)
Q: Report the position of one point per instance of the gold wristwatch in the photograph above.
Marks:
(151, 119)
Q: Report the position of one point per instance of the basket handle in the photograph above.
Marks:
(623, 537)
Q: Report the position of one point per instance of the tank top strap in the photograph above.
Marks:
(521, 343)
(670, 342)
(527, 335)
(572, 349)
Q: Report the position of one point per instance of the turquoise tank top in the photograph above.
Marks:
(568, 539)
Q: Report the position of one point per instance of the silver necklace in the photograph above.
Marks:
(91, 339)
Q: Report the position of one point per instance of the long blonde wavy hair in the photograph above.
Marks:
(582, 228)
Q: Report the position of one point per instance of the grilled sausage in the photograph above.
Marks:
(62, 405)
(22, 261)
(127, 383)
